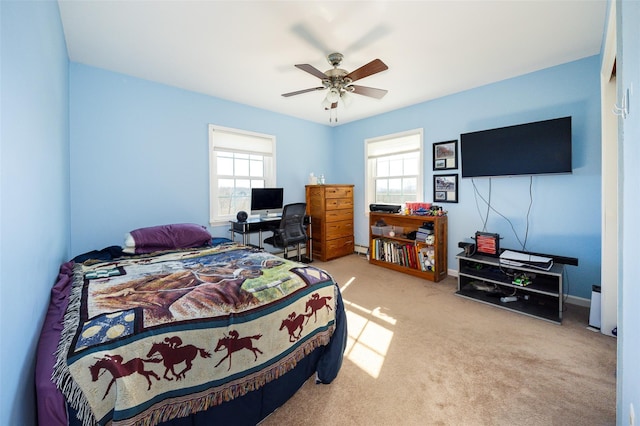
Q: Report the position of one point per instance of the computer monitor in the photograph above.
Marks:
(267, 202)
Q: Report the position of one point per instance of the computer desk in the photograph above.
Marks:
(255, 225)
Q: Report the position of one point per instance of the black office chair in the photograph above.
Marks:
(291, 230)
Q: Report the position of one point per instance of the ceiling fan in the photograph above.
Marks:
(339, 82)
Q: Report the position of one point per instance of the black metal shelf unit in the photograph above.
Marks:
(487, 280)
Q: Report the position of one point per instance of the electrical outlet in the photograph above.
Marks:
(632, 415)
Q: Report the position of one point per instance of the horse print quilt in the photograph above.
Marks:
(154, 337)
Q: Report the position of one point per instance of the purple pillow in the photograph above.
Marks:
(167, 237)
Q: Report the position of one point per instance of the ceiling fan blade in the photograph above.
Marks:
(312, 70)
(299, 92)
(369, 91)
(371, 68)
(307, 35)
(368, 39)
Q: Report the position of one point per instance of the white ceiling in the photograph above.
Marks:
(245, 51)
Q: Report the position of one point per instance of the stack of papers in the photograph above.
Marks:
(516, 258)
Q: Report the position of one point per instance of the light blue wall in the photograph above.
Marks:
(139, 154)
(34, 191)
(145, 145)
(628, 70)
(564, 218)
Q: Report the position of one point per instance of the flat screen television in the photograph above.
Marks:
(266, 202)
(542, 147)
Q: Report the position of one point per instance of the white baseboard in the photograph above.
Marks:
(578, 301)
(572, 300)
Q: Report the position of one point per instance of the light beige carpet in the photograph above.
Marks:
(420, 355)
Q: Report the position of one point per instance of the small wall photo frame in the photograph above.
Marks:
(445, 155)
(445, 188)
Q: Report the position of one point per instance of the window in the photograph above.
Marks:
(394, 168)
(238, 161)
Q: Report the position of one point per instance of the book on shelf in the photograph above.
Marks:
(403, 254)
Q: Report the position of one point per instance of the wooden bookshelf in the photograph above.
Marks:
(390, 246)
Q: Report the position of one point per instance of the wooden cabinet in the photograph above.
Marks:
(390, 244)
(331, 210)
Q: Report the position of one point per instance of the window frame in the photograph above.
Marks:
(370, 177)
(263, 145)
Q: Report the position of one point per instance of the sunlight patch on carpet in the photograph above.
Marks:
(369, 337)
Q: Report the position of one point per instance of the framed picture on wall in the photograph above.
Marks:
(445, 188)
(445, 155)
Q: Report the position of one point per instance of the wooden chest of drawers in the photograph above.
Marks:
(331, 211)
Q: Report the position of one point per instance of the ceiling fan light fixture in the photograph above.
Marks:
(347, 98)
(333, 95)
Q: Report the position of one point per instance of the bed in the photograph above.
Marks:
(184, 332)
